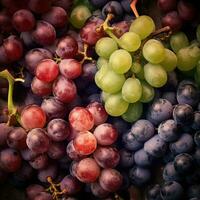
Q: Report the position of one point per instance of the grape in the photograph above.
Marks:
(148, 92)
(39, 7)
(178, 41)
(198, 33)
(33, 190)
(193, 192)
(168, 130)
(142, 159)
(89, 71)
(196, 122)
(27, 40)
(101, 62)
(13, 48)
(41, 88)
(142, 130)
(56, 16)
(183, 114)
(70, 68)
(33, 116)
(44, 33)
(197, 138)
(79, 16)
(57, 151)
(121, 27)
(43, 196)
(28, 155)
(155, 75)
(188, 58)
(106, 157)
(136, 67)
(47, 70)
(87, 170)
(126, 158)
(17, 138)
(64, 89)
(98, 112)
(10, 160)
(173, 20)
(98, 191)
(85, 143)
(155, 147)
(183, 145)
(4, 131)
(34, 56)
(37, 140)
(134, 112)
(67, 47)
(58, 130)
(105, 47)
(166, 5)
(89, 33)
(115, 105)
(3, 55)
(98, 3)
(63, 3)
(110, 180)
(170, 96)
(39, 162)
(139, 176)
(70, 185)
(116, 58)
(50, 171)
(5, 23)
(138, 25)
(171, 190)
(132, 90)
(153, 193)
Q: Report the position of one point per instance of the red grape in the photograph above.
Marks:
(166, 5)
(33, 116)
(27, 39)
(28, 155)
(5, 23)
(56, 16)
(33, 190)
(17, 138)
(10, 160)
(121, 28)
(4, 131)
(87, 170)
(73, 168)
(41, 88)
(66, 4)
(110, 180)
(98, 191)
(3, 56)
(39, 162)
(43, 196)
(23, 20)
(89, 71)
(58, 130)
(44, 33)
(81, 119)
(56, 150)
(47, 70)
(85, 143)
(98, 112)
(105, 134)
(38, 141)
(70, 68)
(39, 6)
(13, 48)
(64, 89)
(67, 47)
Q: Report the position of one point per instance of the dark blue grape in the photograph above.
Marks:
(98, 3)
(172, 191)
(197, 156)
(155, 147)
(153, 193)
(193, 191)
(183, 114)
(197, 138)
(170, 174)
(188, 93)
(143, 130)
(126, 5)
(168, 157)
(170, 96)
(130, 142)
(196, 122)
(193, 178)
(183, 163)
(119, 124)
(126, 158)
(160, 110)
(183, 145)
(142, 159)
(172, 81)
(139, 176)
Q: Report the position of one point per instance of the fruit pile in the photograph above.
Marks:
(97, 102)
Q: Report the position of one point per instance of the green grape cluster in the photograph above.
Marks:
(130, 67)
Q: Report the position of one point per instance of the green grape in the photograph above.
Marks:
(148, 92)
(115, 105)
(143, 26)
(130, 41)
(132, 90)
(136, 67)
(198, 68)
(155, 75)
(170, 61)
(112, 82)
(105, 47)
(104, 96)
(120, 61)
(188, 58)
(178, 41)
(100, 75)
(101, 62)
(198, 33)
(133, 112)
(79, 15)
(153, 51)
(140, 75)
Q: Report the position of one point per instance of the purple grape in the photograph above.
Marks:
(126, 158)
(153, 193)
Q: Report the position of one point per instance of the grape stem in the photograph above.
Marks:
(134, 9)
(84, 54)
(12, 109)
